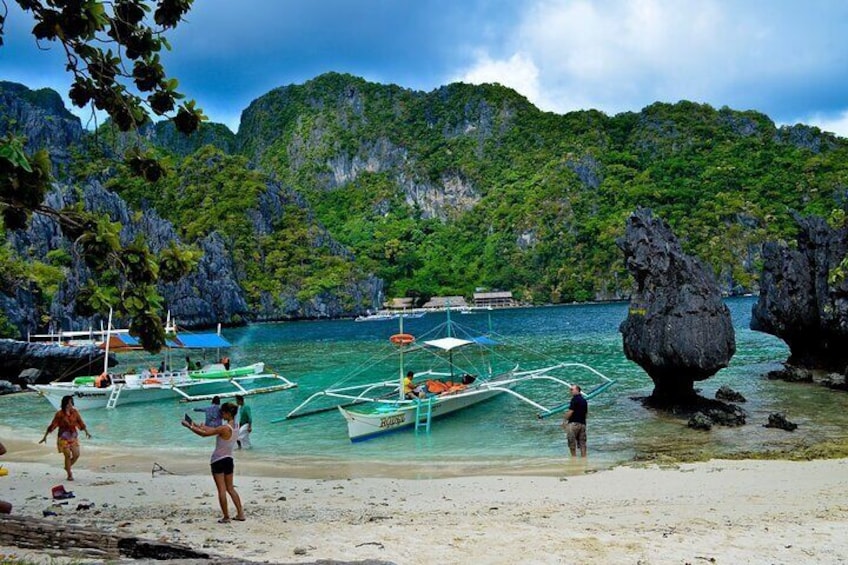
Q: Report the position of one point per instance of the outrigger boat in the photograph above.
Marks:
(470, 377)
(110, 389)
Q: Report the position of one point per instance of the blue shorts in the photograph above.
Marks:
(223, 466)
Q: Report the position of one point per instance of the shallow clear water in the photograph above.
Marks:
(505, 431)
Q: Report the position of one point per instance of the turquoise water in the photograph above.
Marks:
(318, 354)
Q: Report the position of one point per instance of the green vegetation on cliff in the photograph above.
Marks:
(471, 186)
(210, 191)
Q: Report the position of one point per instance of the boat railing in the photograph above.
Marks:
(543, 374)
(240, 390)
(356, 394)
(340, 393)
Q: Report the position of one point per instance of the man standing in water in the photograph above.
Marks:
(245, 423)
(213, 412)
(574, 422)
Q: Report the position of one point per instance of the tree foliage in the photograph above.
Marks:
(112, 51)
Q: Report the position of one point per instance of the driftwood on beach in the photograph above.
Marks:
(90, 543)
(42, 535)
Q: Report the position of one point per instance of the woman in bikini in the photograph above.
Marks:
(68, 420)
(222, 458)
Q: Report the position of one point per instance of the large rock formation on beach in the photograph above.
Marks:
(804, 296)
(51, 362)
(677, 329)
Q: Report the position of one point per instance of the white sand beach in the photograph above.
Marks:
(718, 511)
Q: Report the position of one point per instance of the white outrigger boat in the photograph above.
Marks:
(377, 408)
(386, 315)
(110, 389)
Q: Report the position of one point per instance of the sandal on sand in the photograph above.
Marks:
(224, 520)
(237, 519)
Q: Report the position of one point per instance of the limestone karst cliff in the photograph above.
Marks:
(678, 329)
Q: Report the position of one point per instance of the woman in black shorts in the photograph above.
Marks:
(222, 458)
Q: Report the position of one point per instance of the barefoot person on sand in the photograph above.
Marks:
(223, 465)
(68, 420)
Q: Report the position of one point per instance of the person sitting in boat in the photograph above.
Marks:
(410, 391)
(468, 379)
(225, 361)
(102, 380)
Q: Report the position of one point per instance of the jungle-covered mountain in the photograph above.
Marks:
(472, 186)
(466, 186)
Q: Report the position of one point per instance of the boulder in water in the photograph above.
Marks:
(804, 296)
(778, 420)
(677, 329)
(8, 388)
(727, 394)
(791, 374)
(700, 421)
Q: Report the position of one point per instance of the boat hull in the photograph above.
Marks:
(136, 389)
(89, 397)
(370, 422)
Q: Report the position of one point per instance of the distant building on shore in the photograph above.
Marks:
(500, 299)
(401, 304)
(442, 302)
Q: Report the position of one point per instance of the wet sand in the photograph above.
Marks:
(726, 511)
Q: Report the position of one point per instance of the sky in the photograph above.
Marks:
(785, 58)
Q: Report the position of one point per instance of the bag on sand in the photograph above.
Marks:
(60, 493)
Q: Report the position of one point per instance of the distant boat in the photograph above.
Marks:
(384, 315)
(468, 378)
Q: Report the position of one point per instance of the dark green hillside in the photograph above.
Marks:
(462, 187)
(45, 99)
(472, 186)
(210, 191)
(165, 136)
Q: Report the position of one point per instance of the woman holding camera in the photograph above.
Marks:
(222, 462)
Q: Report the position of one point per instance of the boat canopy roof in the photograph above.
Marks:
(448, 343)
(483, 340)
(181, 341)
(201, 341)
